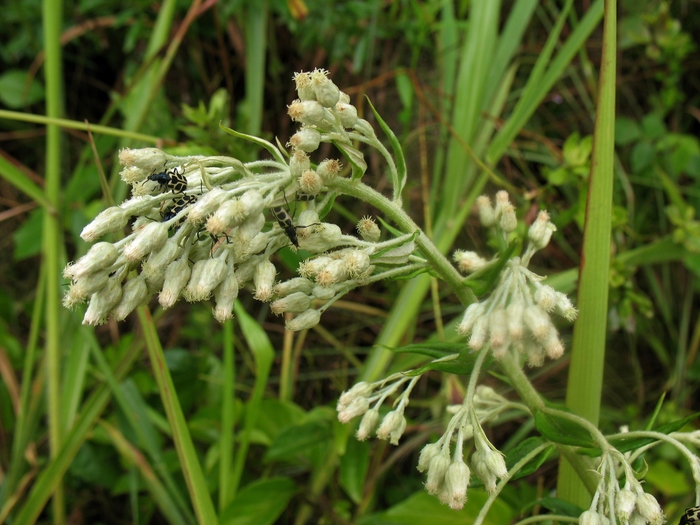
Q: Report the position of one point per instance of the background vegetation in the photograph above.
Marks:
(84, 424)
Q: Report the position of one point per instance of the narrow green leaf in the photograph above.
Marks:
(563, 430)
(297, 440)
(271, 148)
(400, 176)
(19, 180)
(354, 465)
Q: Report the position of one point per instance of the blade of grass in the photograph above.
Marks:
(19, 180)
(160, 495)
(191, 468)
(228, 417)
(256, 50)
(588, 347)
(52, 235)
(262, 350)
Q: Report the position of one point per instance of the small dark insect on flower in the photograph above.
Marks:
(692, 515)
(285, 221)
(173, 179)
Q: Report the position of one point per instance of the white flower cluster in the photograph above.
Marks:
(627, 505)
(199, 227)
(513, 317)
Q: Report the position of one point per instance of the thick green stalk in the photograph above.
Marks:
(52, 235)
(588, 347)
(228, 417)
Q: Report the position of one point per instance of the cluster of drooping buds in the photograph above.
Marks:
(447, 473)
(364, 399)
(627, 505)
(199, 227)
(513, 317)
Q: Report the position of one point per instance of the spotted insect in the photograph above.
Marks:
(692, 515)
(179, 204)
(305, 197)
(285, 221)
(174, 179)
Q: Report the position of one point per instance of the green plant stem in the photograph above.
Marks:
(74, 124)
(227, 417)
(588, 348)
(52, 235)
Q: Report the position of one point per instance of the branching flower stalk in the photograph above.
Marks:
(206, 228)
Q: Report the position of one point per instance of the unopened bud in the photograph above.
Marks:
(367, 424)
(101, 256)
(304, 321)
(348, 114)
(541, 230)
(206, 275)
(327, 93)
(368, 229)
(176, 277)
(110, 220)
(468, 262)
(299, 162)
(134, 294)
(487, 215)
(148, 159)
(102, 302)
(148, 239)
(225, 295)
(329, 169)
(306, 139)
(297, 284)
(264, 280)
(296, 302)
(310, 182)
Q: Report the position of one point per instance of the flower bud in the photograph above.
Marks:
(304, 321)
(497, 328)
(649, 509)
(347, 113)
(324, 293)
(264, 280)
(327, 93)
(456, 483)
(356, 407)
(110, 220)
(468, 262)
(207, 204)
(310, 182)
(228, 214)
(225, 295)
(134, 294)
(365, 128)
(297, 284)
(427, 455)
(133, 174)
(148, 159)
(537, 321)
(85, 287)
(565, 308)
(514, 319)
(101, 256)
(392, 427)
(335, 272)
(478, 337)
(296, 302)
(436, 472)
(487, 215)
(329, 170)
(206, 275)
(546, 298)
(541, 230)
(508, 221)
(473, 312)
(552, 345)
(359, 389)
(309, 268)
(589, 518)
(625, 501)
(367, 424)
(154, 268)
(102, 302)
(148, 239)
(306, 139)
(308, 112)
(325, 237)
(177, 275)
(304, 88)
(299, 162)
(368, 229)
(534, 353)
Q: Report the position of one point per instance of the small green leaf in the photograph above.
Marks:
(298, 440)
(523, 449)
(15, 93)
(559, 506)
(354, 465)
(563, 430)
(355, 158)
(260, 503)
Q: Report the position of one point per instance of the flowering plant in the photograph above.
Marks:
(204, 227)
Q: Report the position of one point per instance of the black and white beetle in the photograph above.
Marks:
(692, 515)
(173, 179)
(179, 204)
(305, 197)
(285, 221)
